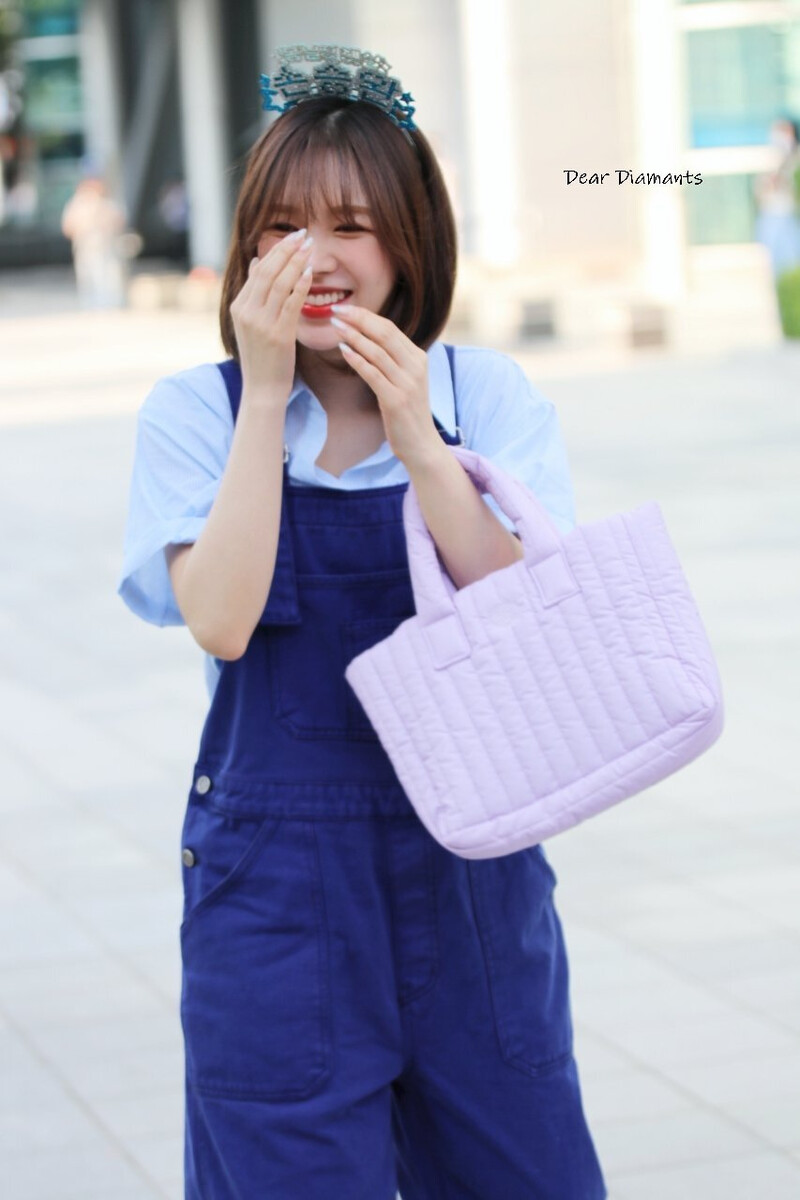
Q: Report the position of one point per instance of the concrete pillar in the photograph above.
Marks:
(203, 123)
(658, 118)
(152, 84)
(100, 75)
(491, 216)
(490, 122)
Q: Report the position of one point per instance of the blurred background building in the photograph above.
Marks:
(161, 96)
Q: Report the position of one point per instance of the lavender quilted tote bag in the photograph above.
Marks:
(518, 706)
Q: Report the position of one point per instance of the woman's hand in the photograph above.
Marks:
(397, 372)
(266, 313)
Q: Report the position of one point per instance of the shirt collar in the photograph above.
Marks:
(440, 388)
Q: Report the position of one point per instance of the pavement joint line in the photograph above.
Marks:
(107, 949)
(621, 1175)
(83, 1105)
(685, 975)
(694, 1099)
(56, 897)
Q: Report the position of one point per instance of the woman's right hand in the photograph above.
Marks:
(265, 314)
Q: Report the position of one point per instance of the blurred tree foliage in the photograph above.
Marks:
(788, 289)
(10, 29)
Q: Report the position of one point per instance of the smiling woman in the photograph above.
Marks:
(330, 159)
(318, 908)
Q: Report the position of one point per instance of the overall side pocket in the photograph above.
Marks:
(525, 958)
(254, 947)
(216, 849)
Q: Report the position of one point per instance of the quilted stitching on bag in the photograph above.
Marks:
(589, 676)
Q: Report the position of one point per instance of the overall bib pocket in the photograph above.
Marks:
(255, 985)
(358, 636)
(311, 699)
(525, 958)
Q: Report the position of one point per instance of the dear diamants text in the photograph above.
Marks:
(644, 177)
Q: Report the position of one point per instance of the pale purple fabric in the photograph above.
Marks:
(518, 706)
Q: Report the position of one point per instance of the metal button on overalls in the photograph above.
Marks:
(361, 1009)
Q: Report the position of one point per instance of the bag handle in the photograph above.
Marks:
(434, 591)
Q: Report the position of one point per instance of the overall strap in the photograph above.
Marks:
(232, 375)
(451, 359)
(450, 439)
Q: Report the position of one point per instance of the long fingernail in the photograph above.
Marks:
(308, 242)
(294, 237)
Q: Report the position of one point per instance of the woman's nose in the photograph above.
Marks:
(322, 254)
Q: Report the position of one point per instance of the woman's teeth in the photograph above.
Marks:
(326, 298)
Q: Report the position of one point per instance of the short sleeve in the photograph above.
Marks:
(183, 436)
(506, 419)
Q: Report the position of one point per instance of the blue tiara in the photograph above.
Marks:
(368, 80)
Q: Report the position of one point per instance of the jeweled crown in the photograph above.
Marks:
(344, 71)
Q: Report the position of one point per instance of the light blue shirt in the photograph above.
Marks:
(184, 433)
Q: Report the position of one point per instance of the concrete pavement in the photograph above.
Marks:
(680, 906)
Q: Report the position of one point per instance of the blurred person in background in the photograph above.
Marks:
(173, 205)
(777, 195)
(95, 223)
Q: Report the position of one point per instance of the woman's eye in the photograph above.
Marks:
(281, 227)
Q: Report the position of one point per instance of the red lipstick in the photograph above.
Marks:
(321, 311)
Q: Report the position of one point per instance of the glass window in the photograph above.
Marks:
(52, 96)
(722, 210)
(739, 80)
(49, 18)
(43, 142)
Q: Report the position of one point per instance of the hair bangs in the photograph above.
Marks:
(312, 175)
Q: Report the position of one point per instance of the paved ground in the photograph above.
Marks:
(680, 906)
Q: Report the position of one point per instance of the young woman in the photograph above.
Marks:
(361, 1008)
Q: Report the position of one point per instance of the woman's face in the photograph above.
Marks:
(344, 258)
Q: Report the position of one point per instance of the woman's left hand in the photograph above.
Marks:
(397, 372)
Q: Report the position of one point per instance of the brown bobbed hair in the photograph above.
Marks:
(317, 151)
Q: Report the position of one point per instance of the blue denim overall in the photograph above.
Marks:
(362, 1010)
